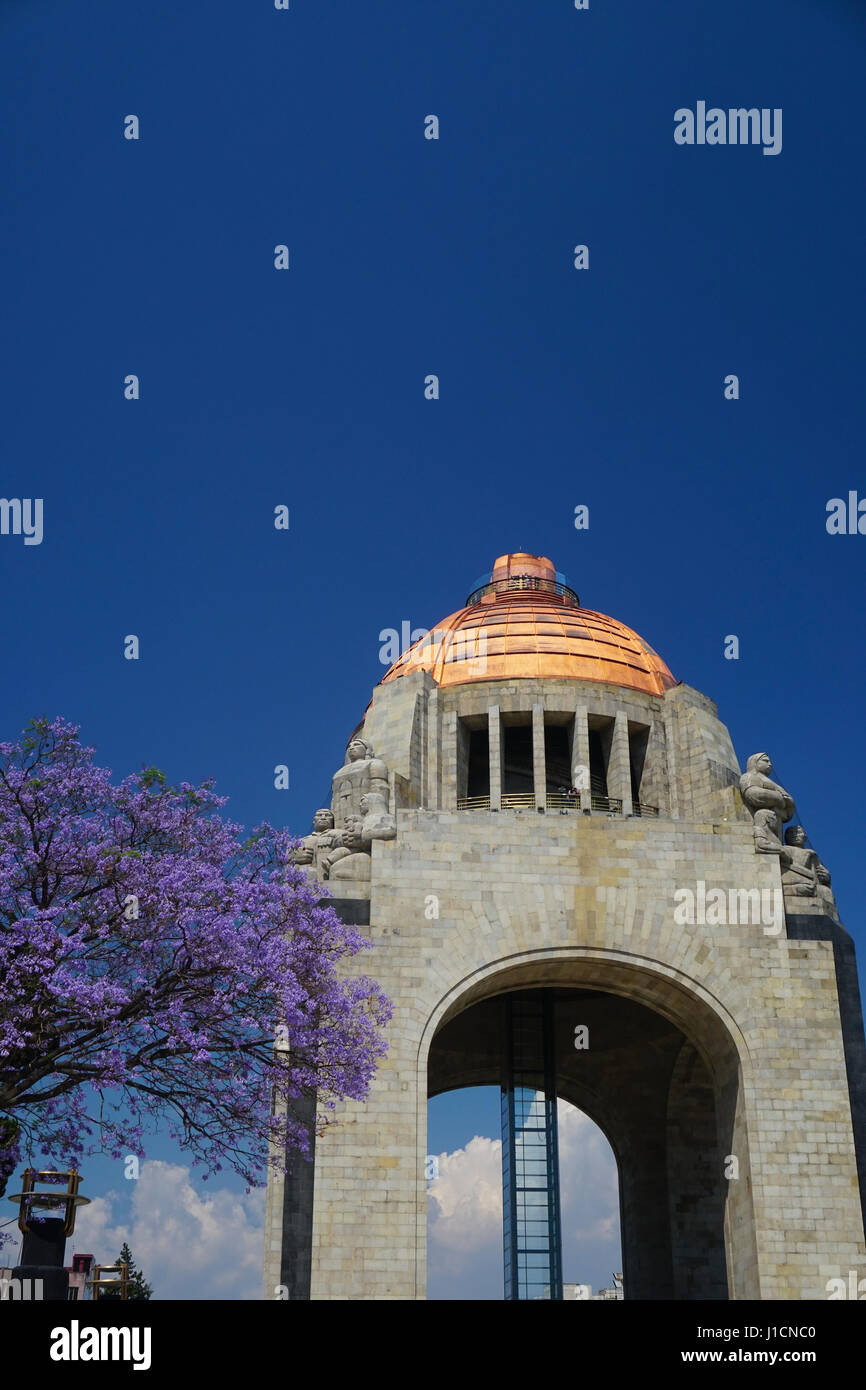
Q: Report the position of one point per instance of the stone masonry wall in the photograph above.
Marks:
(574, 900)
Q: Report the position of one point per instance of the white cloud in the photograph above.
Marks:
(465, 1213)
(465, 1223)
(195, 1241)
(190, 1241)
(589, 1190)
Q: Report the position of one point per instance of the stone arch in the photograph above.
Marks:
(687, 1231)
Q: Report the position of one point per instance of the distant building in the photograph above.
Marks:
(78, 1273)
(583, 1292)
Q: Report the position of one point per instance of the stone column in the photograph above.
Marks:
(539, 769)
(676, 806)
(495, 741)
(654, 783)
(431, 787)
(580, 752)
(619, 766)
(449, 762)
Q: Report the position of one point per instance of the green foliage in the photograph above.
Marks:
(153, 777)
(138, 1288)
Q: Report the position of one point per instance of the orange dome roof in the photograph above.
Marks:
(523, 621)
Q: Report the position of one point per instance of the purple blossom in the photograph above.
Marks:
(149, 951)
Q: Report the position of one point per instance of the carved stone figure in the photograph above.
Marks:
(312, 850)
(825, 891)
(361, 773)
(339, 850)
(767, 833)
(352, 859)
(760, 793)
(799, 878)
(377, 823)
(803, 874)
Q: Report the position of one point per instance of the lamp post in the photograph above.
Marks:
(44, 1245)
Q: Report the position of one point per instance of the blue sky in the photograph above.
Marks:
(306, 387)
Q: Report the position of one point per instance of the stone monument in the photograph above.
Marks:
(727, 1063)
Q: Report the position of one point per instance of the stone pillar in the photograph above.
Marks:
(619, 766)
(539, 769)
(654, 783)
(289, 1213)
(448, 800)
(580, 752)
(431, 783)
(495, 742)
(671, 728)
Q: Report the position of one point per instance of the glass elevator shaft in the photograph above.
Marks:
(530, 1151)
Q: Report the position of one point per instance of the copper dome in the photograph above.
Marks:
(522, 621)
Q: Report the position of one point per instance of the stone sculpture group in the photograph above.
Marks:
(339, 848)
(803, 874)
(338, 851)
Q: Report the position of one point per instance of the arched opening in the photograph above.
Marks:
(656, 1069)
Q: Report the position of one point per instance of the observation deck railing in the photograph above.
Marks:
(526, 801)
(527, 583)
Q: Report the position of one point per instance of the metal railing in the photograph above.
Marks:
(525, 582)
(518, 801)
(554, 801)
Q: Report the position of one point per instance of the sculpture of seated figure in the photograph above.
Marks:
(339, 851)
(310, 853)
(360, 773)
(760, 793)
(799, 865)
(803, 874)
(352, 859)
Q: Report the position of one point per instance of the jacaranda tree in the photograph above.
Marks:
(155, 962)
